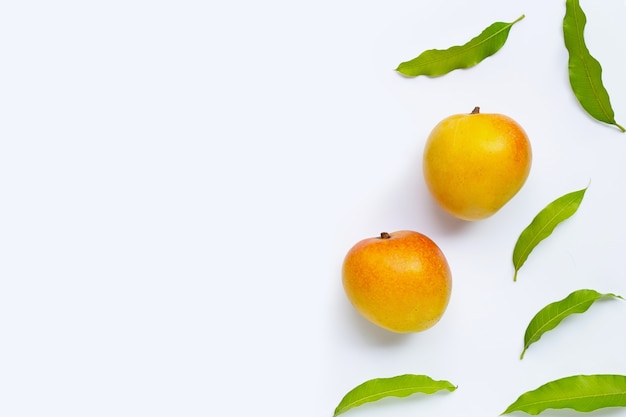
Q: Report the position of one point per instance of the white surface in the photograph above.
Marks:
(180, 182)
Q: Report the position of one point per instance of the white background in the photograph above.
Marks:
(180, 181)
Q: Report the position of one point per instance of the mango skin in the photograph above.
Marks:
(401, 283)
(473, 164)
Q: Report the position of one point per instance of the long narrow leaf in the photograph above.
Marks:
(544, 224)
(579, 392)
(554, 313)
(398, 386)
(437, 62)
(585, 72)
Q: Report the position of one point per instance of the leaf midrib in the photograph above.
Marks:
(455, 51)
(583, 52)
(564, 313)
(577, 397)
(533, 242)
(459, 50)
(390, 392)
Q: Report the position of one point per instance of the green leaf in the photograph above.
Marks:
(585, 72)
(436, 62)
(551, 315)
(398, 386)
(579, 392)
(544, 224)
